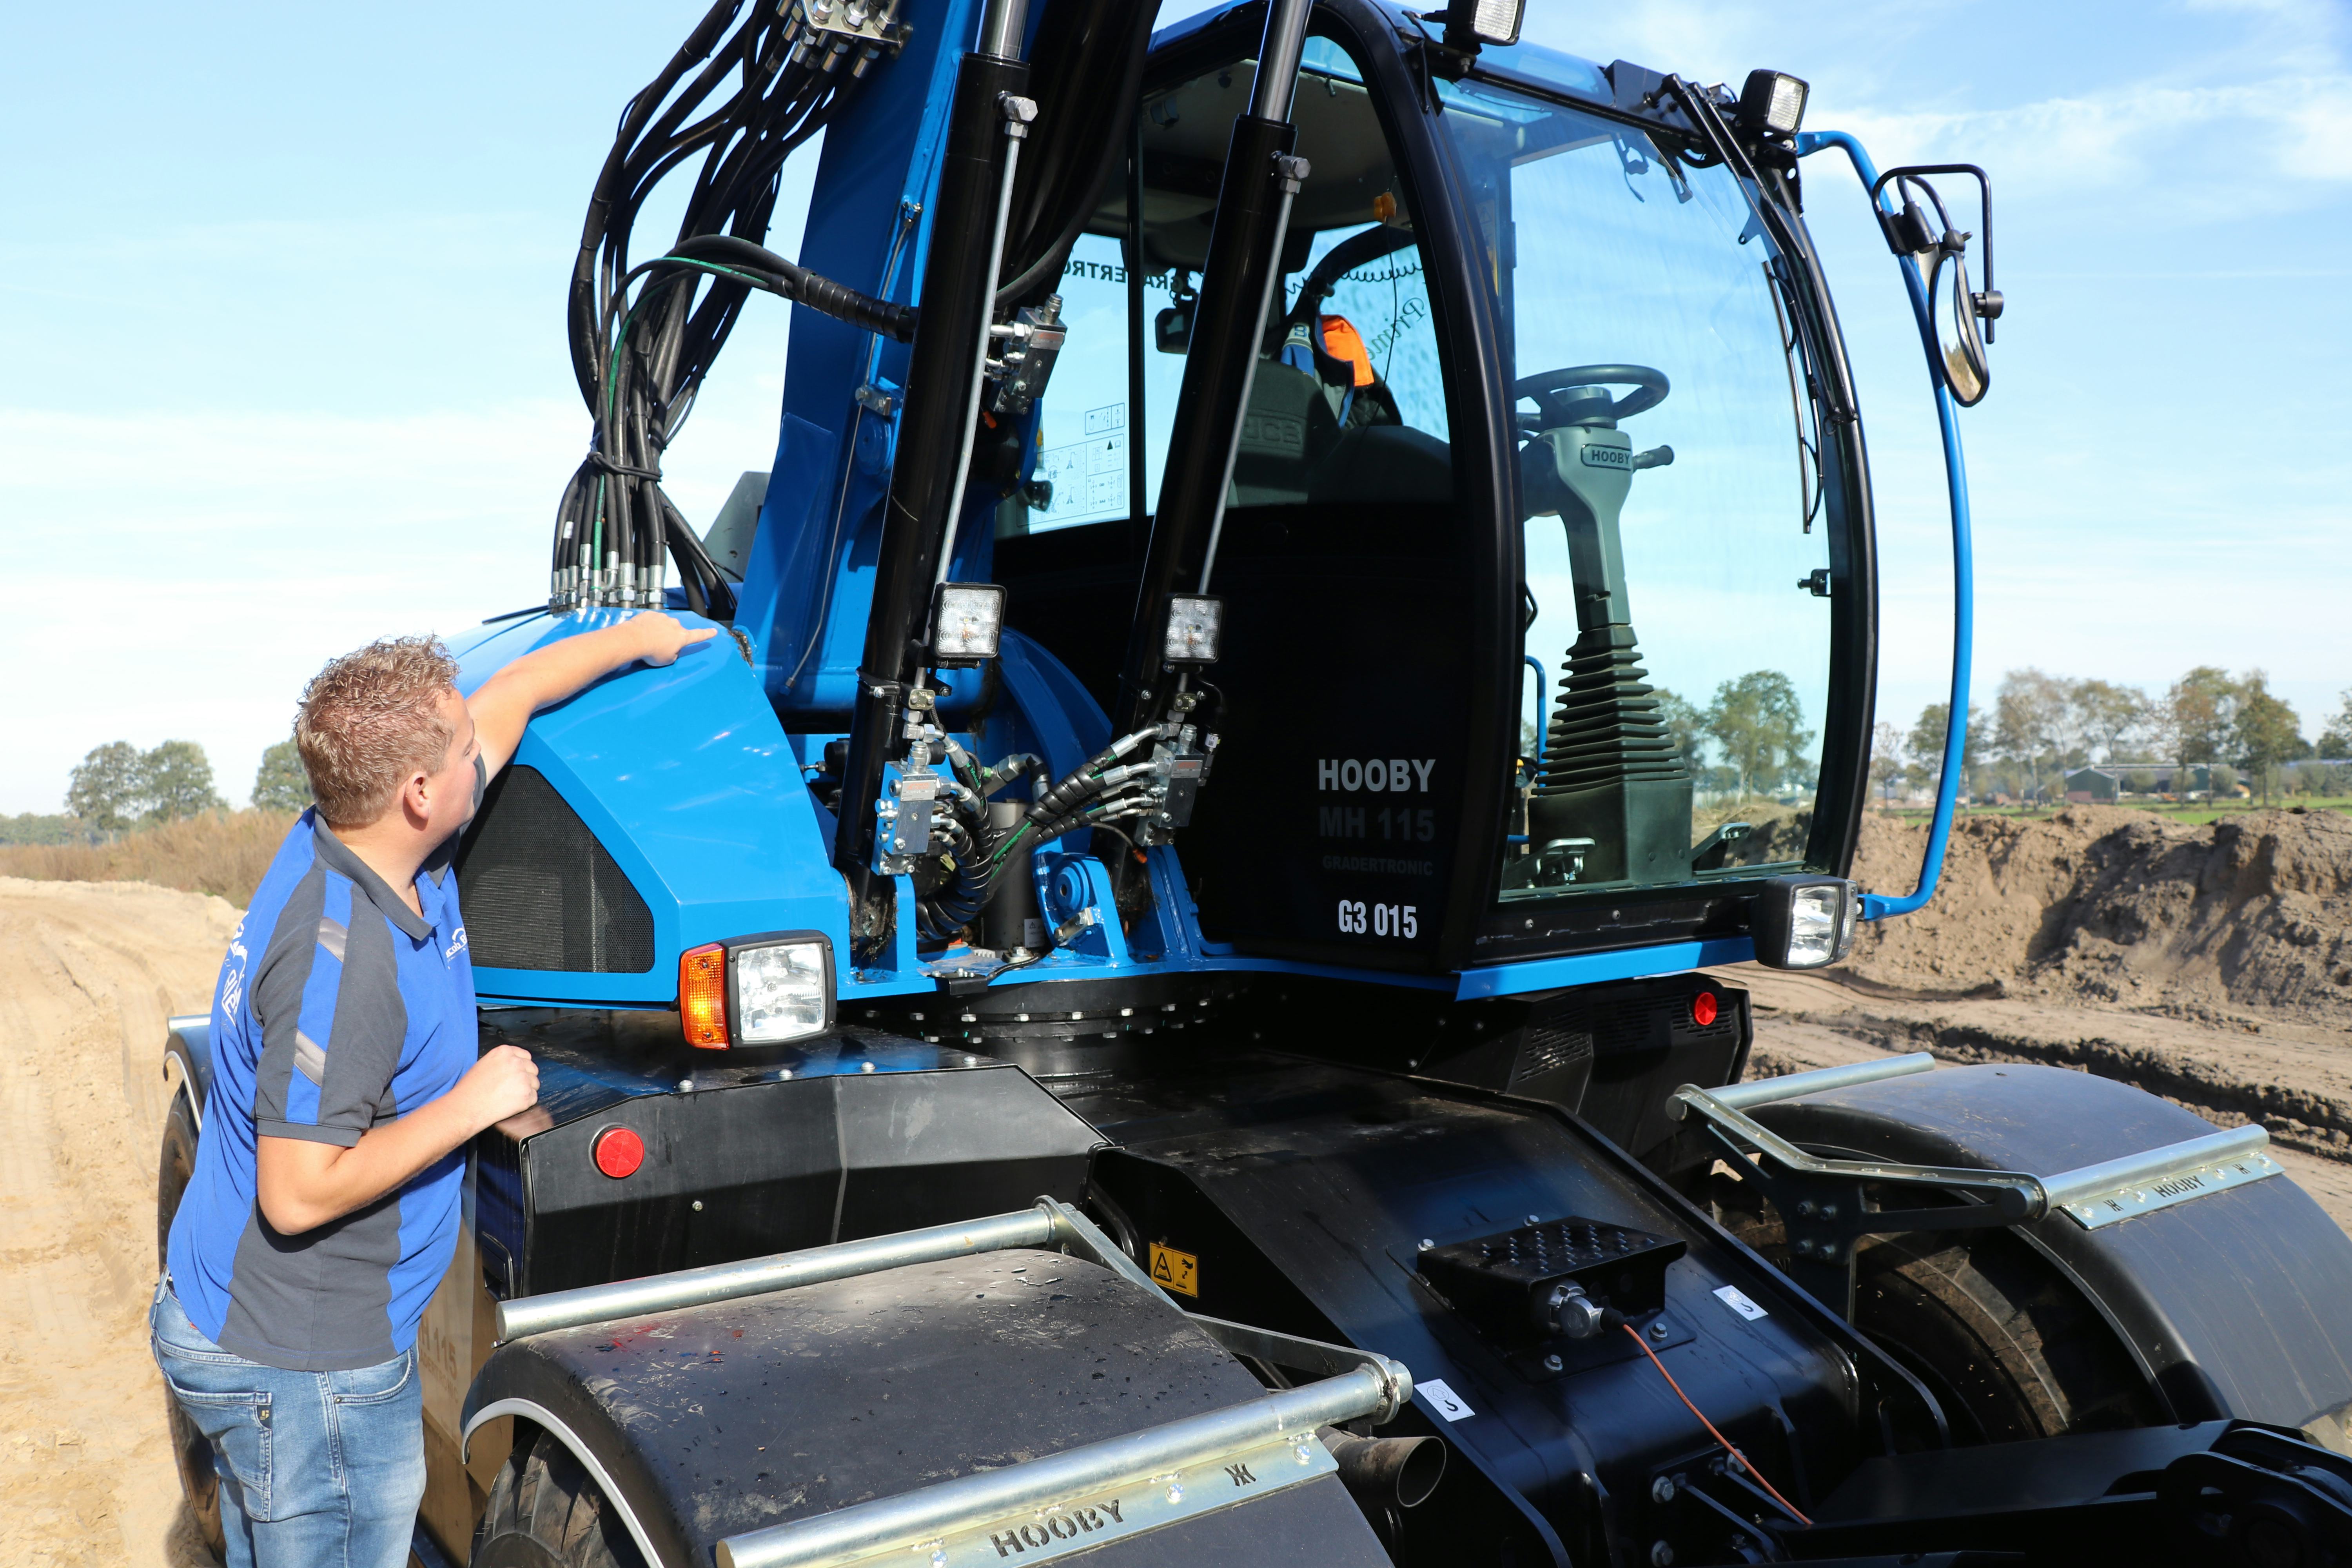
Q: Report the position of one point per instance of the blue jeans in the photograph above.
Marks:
(317, 1470)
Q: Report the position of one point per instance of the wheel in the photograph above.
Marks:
(2010, 1348)
(199, 1484)
(545, 1511)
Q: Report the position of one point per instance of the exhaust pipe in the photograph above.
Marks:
(1387, 1472)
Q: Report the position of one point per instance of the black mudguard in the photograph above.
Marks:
(2235, 1304)
(712, 1421)
(188, 1059)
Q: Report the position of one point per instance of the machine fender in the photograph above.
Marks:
(622, 1482)
(188, 1059)
(2232, 1303)
(706, 1423)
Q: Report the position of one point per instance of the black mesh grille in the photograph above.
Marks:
(1551, 1047)
(539, 893)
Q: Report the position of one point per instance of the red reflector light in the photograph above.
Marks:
(702, 995)
(1703, 1008)
(619, 1151)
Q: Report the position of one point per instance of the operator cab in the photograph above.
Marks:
(1540, 587)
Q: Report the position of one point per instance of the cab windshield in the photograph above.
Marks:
(1677, 639)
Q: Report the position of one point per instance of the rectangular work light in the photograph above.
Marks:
(1194, 624)
(1774, 102)
(764, 990)
(1805, 922)
(967, 621)
(1469, 23)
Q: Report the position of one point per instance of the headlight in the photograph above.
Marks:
(1805, 922)
(782, 991)
(759, 990)
(1774, 102)
(1195, 622)
(967, 621)
(1472, 22)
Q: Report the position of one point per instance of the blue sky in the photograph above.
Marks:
(284, 366)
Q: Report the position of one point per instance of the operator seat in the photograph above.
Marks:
(1323, 427)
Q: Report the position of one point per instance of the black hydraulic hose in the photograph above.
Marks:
(980, 877)
(959, 840)
(1088, 74)
(735, 100)
(1086, 777)
(799, 284)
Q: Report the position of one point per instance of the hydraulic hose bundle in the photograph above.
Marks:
(1097, 790)
(771, 81)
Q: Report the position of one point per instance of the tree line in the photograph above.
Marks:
(118, 787)
(1757, 726)
(2043, 726)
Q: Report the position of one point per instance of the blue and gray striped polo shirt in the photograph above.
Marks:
(339, 1009)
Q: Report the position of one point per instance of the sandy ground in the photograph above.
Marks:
(89, 972)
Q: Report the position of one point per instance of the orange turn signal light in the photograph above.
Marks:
(702, 995)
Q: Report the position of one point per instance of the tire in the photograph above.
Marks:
(546, 1512)
(2011, 1348)
(199, 1484)
(2006, 1344)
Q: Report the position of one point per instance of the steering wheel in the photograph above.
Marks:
(1554, 391)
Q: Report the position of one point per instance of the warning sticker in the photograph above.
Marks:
(1444, 1400)
(1733, 1296)
(1174, 1270)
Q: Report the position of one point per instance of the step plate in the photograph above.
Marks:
(2120, 1204)
(1097, 1518)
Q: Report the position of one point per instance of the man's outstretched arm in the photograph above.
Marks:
(504, 703)
(302, 1185)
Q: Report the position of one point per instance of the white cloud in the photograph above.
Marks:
(2182, 148)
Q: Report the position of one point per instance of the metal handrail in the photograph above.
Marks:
(2021, 1194)
(778, 1272)
(2025, 1197)
(2156, 1165)
(1820, 1080)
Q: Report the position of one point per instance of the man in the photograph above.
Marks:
(346, 1084)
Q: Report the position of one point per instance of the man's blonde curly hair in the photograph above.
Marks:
(371, 718)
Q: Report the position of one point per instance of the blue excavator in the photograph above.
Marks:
(1167, 988)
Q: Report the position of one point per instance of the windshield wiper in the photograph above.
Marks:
(1701, 112)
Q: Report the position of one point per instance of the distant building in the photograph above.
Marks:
(2088, 786)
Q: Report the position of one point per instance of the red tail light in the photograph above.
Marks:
(618, 1152)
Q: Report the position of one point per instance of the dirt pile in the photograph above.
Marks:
(2124, 909)
(88, 974)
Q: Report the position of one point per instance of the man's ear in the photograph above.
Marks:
(416, 798)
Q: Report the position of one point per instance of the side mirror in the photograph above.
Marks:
(1173, 329)
(1941, 251)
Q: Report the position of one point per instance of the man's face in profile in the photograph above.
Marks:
(451, 790)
